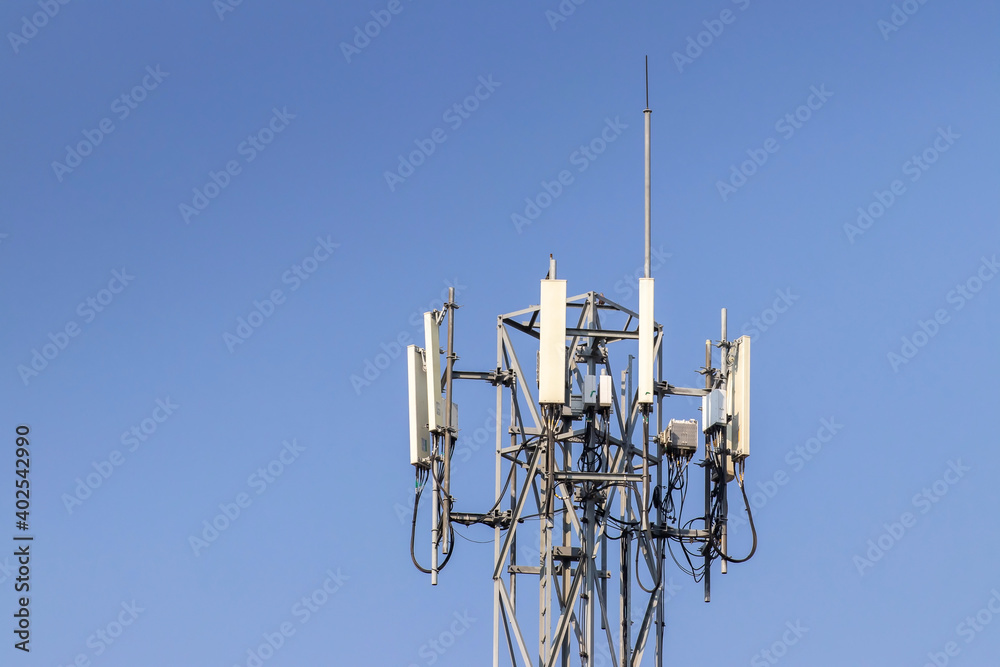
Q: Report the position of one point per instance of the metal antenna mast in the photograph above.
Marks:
(586, 494)
(647, 114)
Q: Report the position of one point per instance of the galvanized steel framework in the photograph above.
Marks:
(566, 466)
(560, 463)
(540, 452)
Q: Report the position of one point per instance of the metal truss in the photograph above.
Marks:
(568, 478)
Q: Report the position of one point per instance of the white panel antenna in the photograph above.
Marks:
(432, 352)
(420, 437)
(606, 390)
(552, 343)
(646, 361)
(739, 397)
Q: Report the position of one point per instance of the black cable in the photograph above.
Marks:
(659, 573)
(688, 554)
(413, 533)
(537, 516)
(753, 530)
(638, 579)
(690, 573)
(510, 475)
(590, 458)
(469, 539)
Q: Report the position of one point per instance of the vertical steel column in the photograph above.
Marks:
(497, 582)
(708, 521)
(647, 112)
(625, 583)
(724, 479)
(545, 538)
(567, 541)
(435, 523)
(588, 562)
(450, 308)
(589, 511)
(658, 543)
(644, 510)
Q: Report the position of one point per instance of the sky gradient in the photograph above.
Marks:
(222, 221)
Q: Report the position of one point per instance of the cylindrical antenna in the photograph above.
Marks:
(552, 267)
(647, 112)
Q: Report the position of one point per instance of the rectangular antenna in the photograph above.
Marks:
(739, 397)
(432, 351)
(552, 343)
(420, 437)
(646, 340)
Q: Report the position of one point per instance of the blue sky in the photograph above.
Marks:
(201, 248)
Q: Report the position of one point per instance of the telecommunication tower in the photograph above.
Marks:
(590, 483)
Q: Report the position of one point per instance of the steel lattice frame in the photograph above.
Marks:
(539, 455)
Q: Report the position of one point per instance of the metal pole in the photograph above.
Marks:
(708, 364)
(567, 541)
(604, 543)
(498, 582)
(708, 524)
(648, 114)
(545, 539)
(660, 520)
(644, 510)
(450, 356)
(435, 524)
(587, 561)
(625, 587)
(724, 480)
(628, 405)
